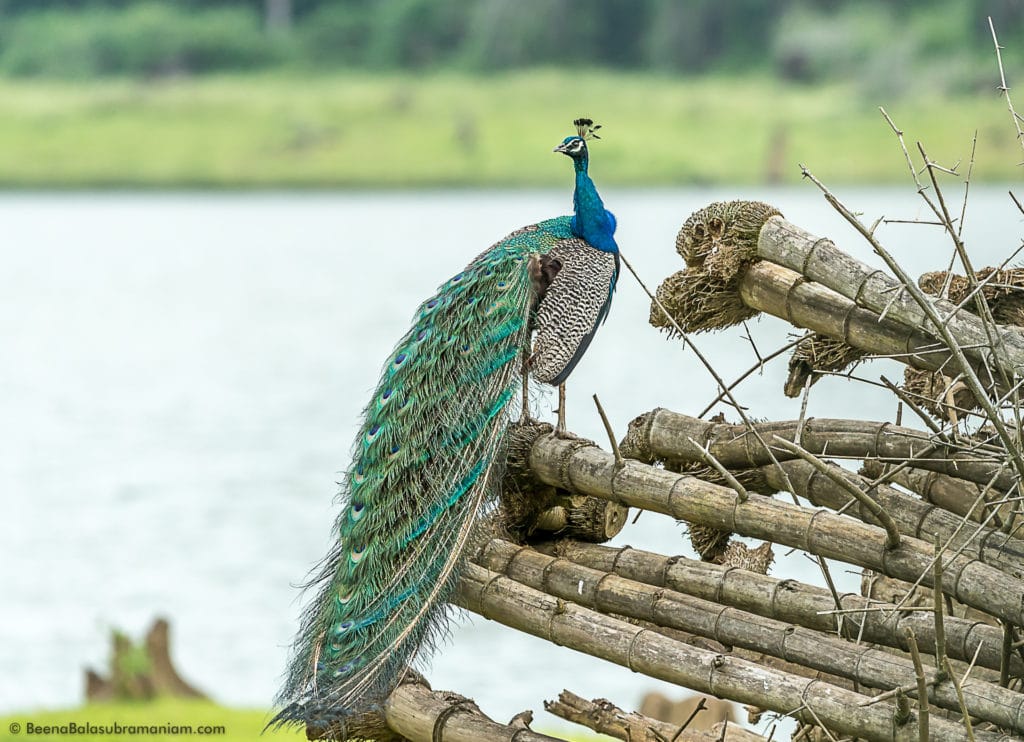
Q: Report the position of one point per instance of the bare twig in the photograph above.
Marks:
(611, 434)
(746, 374)
(941, 660)
(1004, 666)
(922, 687)
(1003, 87)
(725, 473)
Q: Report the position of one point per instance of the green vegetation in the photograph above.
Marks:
(239, 725)
(388, 130)
(145, 39)
(414, 93)
(879, 43)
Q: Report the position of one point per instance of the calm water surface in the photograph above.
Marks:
(181, 377)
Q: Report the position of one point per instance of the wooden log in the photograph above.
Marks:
(642, 650)
(609, 593)
(588, 470)
(422, 715)
(665, 435)
(794, 602)
(818, 260)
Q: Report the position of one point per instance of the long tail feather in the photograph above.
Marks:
(424, 465)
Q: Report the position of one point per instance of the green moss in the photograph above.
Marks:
(134, 661)
(375, 130)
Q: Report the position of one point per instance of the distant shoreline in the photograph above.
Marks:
(394, 131)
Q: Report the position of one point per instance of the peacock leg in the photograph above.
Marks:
(525, 417)
(560, 427)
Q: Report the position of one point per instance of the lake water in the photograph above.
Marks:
(181, 377)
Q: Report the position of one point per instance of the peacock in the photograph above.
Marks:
(426, 460)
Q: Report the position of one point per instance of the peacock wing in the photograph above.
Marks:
(571, 308)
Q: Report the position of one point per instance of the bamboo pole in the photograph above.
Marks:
(422, 715)
(818, 260)
(784, 293)
(642, 650)
(588, 470)
(609, 593)
(946, 492)
(910, 515)
(792, 601)
(666, 435)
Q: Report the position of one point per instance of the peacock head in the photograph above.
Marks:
(576, 146)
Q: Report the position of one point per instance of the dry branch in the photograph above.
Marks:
(605, 717)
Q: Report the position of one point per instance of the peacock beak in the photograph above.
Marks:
(560, 148)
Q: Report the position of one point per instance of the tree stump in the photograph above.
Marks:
(139, 672)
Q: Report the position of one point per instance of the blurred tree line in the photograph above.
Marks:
(804, 40)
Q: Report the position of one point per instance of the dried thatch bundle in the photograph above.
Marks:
(817, 352)
(739, 555)
(943, 397)
(710, 543)
(1002, 289)
(718, 243)
(722, 236)
(698, 302)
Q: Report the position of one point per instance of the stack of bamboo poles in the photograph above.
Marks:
(930, 649)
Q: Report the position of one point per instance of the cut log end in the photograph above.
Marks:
(531, 510)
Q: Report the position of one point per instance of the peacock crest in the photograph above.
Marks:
(586, 128)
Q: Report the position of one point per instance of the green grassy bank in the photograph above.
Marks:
(206, 719)
(361, 130)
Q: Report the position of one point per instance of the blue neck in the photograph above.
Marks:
(591, 221)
